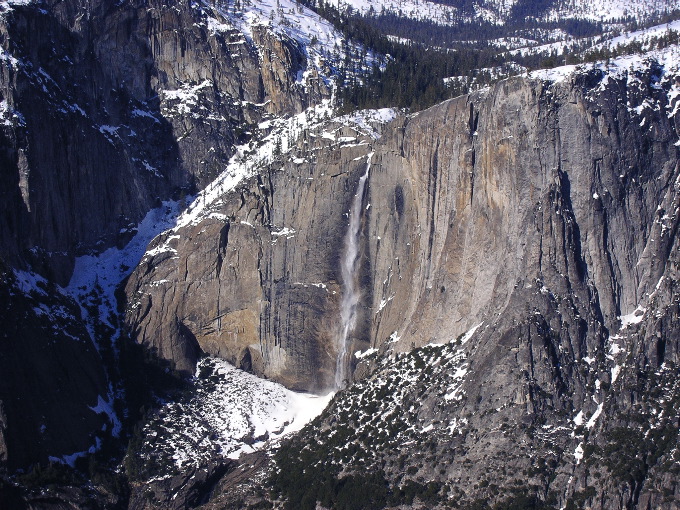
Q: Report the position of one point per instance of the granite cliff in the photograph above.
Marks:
(106, 110)
(489, 285)
(517, 322)
(470, 207)
(540, 287)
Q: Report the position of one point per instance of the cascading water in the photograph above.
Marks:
(350, 292)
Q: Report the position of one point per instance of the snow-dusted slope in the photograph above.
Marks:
(326, 49)
(645, 37)
(421, 11)
(608, 10)
(667, 58)
(276, 135)
(499, 11)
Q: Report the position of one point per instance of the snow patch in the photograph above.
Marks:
(394, 337)
(232, 412)
(383, 304)
(469, 334)
(578, 453)
(284, 232)
(578, 419)
(634, 317)
(366, 353)
(184, 100)
(595, 416)
(105, 406)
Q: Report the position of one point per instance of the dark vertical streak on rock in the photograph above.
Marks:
(221, 247)
(432, 198)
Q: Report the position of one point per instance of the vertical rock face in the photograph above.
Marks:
(527, 199)
(521, 187)
(539, 214)
(255, 278)
(105, 110)
(149, 98)
(525, 238)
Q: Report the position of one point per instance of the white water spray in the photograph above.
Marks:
(350, 292)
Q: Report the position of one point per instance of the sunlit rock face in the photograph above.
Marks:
(254, 276)
(523, 253)
(527, 197)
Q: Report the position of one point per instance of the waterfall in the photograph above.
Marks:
(350, 291)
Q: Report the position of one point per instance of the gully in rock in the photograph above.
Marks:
(351, 292)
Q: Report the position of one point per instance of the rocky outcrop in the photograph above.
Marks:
(471, 207)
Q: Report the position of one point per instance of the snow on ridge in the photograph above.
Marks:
(70, 459)
(498, 11)
(556, 74)
(492, 11)
(247, 160)
(642, 35)
(8, 58)
(418, 10)
(607, 10)
(668, 58)
(365, 120)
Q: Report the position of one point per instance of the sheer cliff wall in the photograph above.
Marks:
(529, 196)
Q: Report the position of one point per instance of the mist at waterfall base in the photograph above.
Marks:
(349, 267)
